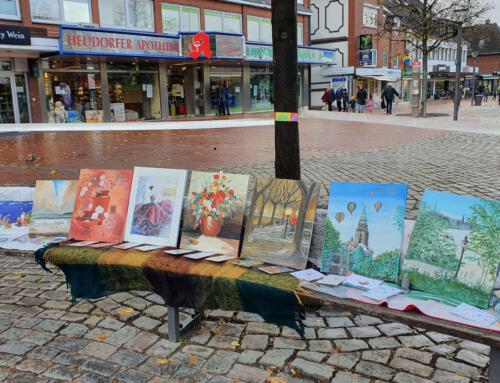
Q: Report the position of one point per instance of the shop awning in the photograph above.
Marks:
(490, 76)
(384, 78)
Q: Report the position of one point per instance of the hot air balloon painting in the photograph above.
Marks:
(367, 240)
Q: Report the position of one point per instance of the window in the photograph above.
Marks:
(370, 16)
(395, 61)
(61, 11)
(130, 14)
(9, 9)
(216, 21)
(178, 18)
(300, 34)
(385, 59)
(259, 29)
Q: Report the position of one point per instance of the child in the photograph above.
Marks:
(352, 103)
(370, 104)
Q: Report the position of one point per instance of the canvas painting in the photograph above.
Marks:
(155, 208)
(364, 229)
(454, 248)
(280, 222)
(214, 211)
(101, 204)
(16, 204)
(52, 207)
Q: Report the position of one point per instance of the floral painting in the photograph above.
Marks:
(155, 207)
(53, 207)
(16, 204)
(364, 229)
(280, 222)
(101, 205)
(213, 216)
(454, 249)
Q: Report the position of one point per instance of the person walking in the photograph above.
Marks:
(352, 103)
(388, 95)
(338, 98)
(220, 99)
(345, 100)
(227, 98)
(361, 97)
(327, 97)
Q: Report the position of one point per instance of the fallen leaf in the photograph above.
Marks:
(294, 372)
(125, 311)
(194, 241)
(235, 344)
(276, 379)
(162, 362)
(101, 337)
(53, 173)
(192, 360)
(215, 331)
(338, 349)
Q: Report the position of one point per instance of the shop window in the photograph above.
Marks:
(61, 11)
(370, 16)
(385, 59)
(216, 21)
(178, 18)
(395, 61)
(300, 34)
(259, 29)
(261, 90)
(232, 78)
(129, 14)
(9, 9)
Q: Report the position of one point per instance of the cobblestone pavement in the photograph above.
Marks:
(44, 337)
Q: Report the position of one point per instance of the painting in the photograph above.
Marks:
(155, 208)
(101, 204)
(52, 207)
(454, 249)
(364, 229)
(16, 204)
(280, 222)
(214, 211)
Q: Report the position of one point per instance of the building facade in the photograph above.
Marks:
(130, 60)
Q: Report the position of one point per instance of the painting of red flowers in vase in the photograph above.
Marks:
(214, 211)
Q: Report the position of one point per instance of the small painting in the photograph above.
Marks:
(155, 208)
(52, 207)
(101, 204)
(280, 222)
(454, 249)
(213, 215)
(364, 229)
(16, 204)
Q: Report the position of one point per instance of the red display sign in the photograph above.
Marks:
(199, 46)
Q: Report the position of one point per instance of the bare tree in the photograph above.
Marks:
(425, 24)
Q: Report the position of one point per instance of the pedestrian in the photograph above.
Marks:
(338, 98)
(388, 96)
(370, 104)
(327, 97)
(361, 97)
(227, 97)
(352, 103)
(494, 94)
(345, 100)
(220, 99)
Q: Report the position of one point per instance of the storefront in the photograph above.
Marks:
(374, 80)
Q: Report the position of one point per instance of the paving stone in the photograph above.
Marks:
(313, 370)
(98, 350)
(62, 373)
(220, 379)
(155, 298)
(14, 333)
(51, 325)
(133, 376)
(74, 329)
(312, 356)
(343, 360)
(92, 320)
(364, 332)
(163, 348)
(476, 347)
(221, 362)
(122, 336)
(98, 333)
(411, 367)
(287, 332)
(163, 330)
(35, 366)
(111, 324)
(216, 314)
(473, 358)
(442, 349)
(127, 358)
(366, 320)
(439, 338)
(375, 370)
(199, 336)
(43, 353)
(416, 341)
(395, 329)
(203, 352)
(120, 297)
(71, 359)
(231, 329)
(339, 322)
(83, 307)
(68, 344)
(458, 368)
(16, 347)
(346, 377)
(403, 377)
(73, 317)
(227, 342)
(295, 344)
(377, 356)
(141, 341)
(331, 333)
(384, 342)
(190, 375)
(7, 360)
(249, 356)
(145, 323)
(248, 374)
(38, 337)
(156, 311)
(26, 322)
(348, 345)
(441, 376)
(328, 311)
(244, 316)
(252, 342)
(108, 305)
(57, 305)
(418, 356)
(100, 367)
(320, 345)
(276, 358)
(90, 377)
(314, 322)
(262, 328)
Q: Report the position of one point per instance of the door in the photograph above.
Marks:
(8, 111)
(21, 93)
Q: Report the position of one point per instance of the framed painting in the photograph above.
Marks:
(155, 207)
(214, 211)
(101, 204)
(53, 205)
(364, 229)
(454, 249)
(280, 222)
(16, 204)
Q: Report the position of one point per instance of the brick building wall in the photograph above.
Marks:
(487, 63)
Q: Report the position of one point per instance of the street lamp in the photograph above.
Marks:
(458, 66)
(475, 53)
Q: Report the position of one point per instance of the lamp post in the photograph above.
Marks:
(475, 53)
(458, 69)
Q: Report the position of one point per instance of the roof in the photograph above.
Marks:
(489, 32)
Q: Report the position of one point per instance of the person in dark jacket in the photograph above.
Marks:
(327, 97)
(361, 98)
(345, 100)
(338, 98)
(388, 95)
(226, 97)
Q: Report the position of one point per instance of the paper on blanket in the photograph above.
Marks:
(473, 314)
(103, 244)
(30, 243)
(361, 282)
(127, 245)
(332, 280)
(82, 243)
(221, 258)
(381, 292)
(148, 248)
(249, 263)
(308, 275)
(200, 255)
(179, 251)
(275, 269)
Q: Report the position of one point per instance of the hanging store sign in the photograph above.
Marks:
(13, 35)
(305, 55)
(212, 45)
(101, 42)
(365, 42)
(258, 52)
(368, 58)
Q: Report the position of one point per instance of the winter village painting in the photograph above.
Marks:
(454, 249)
(364, 229)
(214, 211)
(16, 204)
(280, 222)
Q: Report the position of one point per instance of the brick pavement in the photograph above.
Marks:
(44, 337)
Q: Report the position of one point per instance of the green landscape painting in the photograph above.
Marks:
(454, 250)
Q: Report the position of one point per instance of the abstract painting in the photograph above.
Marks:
(280, 222)
(52, 207)
(364, 229)
(454, 249)
(101, 205)
(155, 208)
(213, 215)
(15, 210)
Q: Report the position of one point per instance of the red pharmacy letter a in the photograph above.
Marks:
(201, 43)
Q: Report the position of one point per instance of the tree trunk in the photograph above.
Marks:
(274, 212)
(286, 133)
(255, 197)
(425, 70)
(301, 219)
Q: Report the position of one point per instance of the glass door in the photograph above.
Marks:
(7, 110)
(22, 98)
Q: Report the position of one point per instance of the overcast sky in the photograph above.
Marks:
(494, 14)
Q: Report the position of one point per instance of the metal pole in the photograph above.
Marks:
(473, 80)
(458, 70)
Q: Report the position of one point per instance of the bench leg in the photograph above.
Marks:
(494, 364)
(175, 327)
